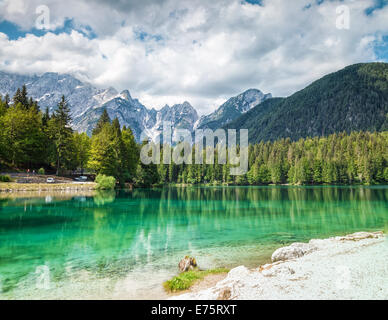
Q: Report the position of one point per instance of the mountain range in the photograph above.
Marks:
(88, 102)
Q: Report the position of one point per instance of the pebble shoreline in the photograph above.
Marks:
(348, 267)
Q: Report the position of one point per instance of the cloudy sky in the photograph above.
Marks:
(169, 51)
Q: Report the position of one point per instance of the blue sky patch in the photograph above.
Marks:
(378, 4)
(258, 2)
(381, 49)
(13, 31)
(144, 36)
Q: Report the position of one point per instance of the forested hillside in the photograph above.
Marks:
(359, 157)
(352, 99)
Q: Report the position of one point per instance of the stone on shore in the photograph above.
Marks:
(344, 267)
(295, 250)
(299, 249)
(360, 236)
(187, 264)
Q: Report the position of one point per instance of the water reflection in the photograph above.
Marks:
(112, 234)
(104, 197)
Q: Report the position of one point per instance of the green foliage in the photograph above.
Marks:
(105, 182)
(113, 151)
(186, 279)
(356, 158)
(21, 98)
(352, 99)
(104, 158)
(32, 139)
(82, 145)
(61, 134)
(5, 178)
(130, 154)
(147, 175)
(104, 119)
(22, 136)
(41, 171)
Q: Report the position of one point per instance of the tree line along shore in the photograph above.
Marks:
(32, 139)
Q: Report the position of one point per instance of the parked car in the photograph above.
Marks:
(81, 178)
(50, 180)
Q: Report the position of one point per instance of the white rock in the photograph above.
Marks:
(238, 272)
(334, 268)
(295, 250)
(280, 270)
(360, 236)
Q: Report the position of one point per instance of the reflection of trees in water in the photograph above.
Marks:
(177, 216)
(3, 202)
(297, 206)
(103, 197)
(112, 233)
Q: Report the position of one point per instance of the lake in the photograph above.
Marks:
(123, 245)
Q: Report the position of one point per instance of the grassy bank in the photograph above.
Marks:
(185, 280)
(14, 187)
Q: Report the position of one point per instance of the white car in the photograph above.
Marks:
(50, 180)
(81, 179)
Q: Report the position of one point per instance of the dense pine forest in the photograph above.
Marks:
(356, 158)
(352, 99)
(35, 140)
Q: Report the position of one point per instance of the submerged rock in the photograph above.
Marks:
(187, 263)
(295, 250)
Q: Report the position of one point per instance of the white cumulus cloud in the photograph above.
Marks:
(199, 51)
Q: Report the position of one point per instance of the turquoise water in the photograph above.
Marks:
(125, 244)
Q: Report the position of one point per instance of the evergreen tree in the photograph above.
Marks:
(114, 152)
(130, 153)
(20, 97)
(146, 174)
(82, 145)
(339, 158)
(22, 137)
(61, 135)
(103, 120)
(6, 100)
(46, 117)
(105, 152)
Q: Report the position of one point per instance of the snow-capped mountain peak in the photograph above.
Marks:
(88, 102)
(232, 109)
